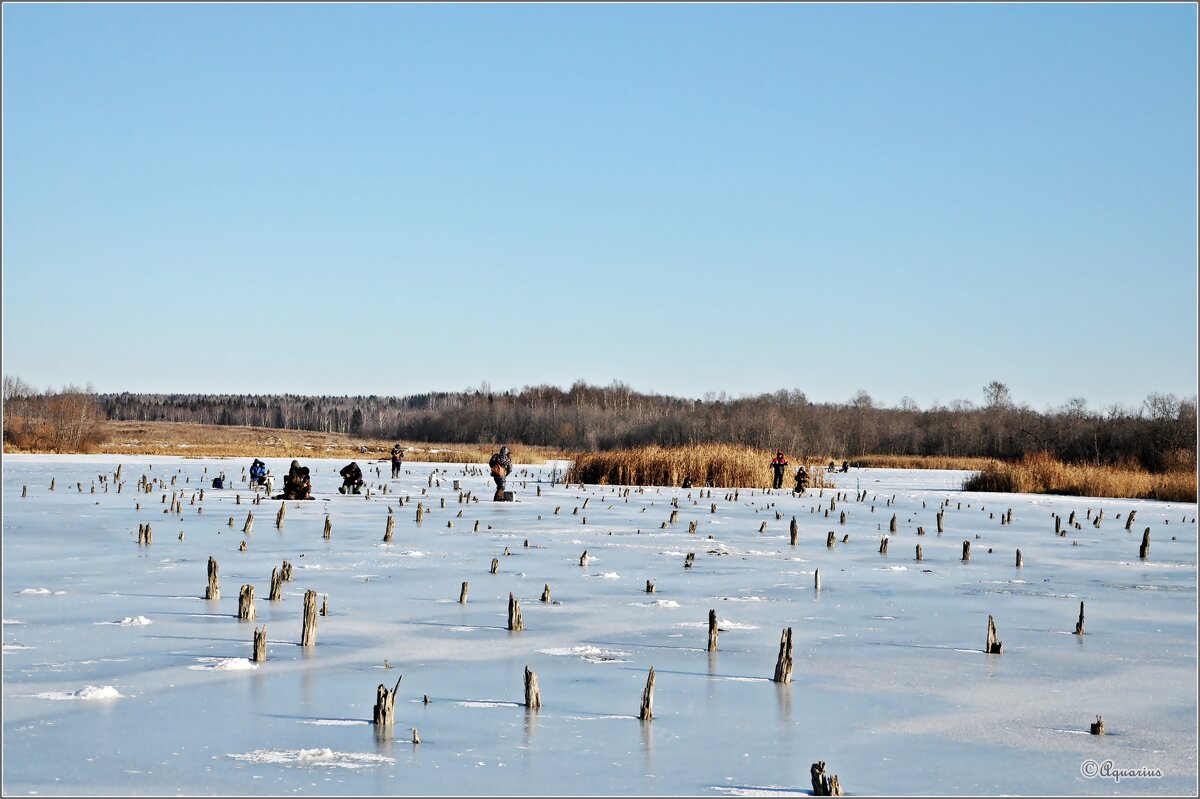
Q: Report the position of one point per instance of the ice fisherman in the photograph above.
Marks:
(778, 465)
(501, 465)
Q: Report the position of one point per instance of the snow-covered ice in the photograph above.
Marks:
(156, 692)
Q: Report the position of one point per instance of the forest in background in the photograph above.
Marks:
(1159, 436)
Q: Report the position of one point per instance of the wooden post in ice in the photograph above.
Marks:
(384, 713)
(515, 622)
(817, 579)
(940, 527)
(1097, 727)
(1079, 624)
(276, 585)
(994, 647)
(391, 525)
(325, 605)
(24, 491)
(783, 664)
(883, 545)
(1129, 519)
(1144, 549)
(647, 711)
(1057, 524)
(649, 586)
(1019, 561)
(280, 514)
(793, 530)
(246, 603)
(260, 645)
(824, 784)
(583, 559)
(462, 594)
(327, 533)
(308, 632)
(892, 524)
(249, 525)
(712, 630)
(420, 512)
(829, 539)
(495, 564)
(546, 593)
(213, 591)
(533, 695)
(920, 555)
(966, 551)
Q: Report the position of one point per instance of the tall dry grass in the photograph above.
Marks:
(919, 462)
(721, 465)
(1040, 473)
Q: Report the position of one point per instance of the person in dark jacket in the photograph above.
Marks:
(397, 460)
(258, 472)
(801, 480)
(778, 465)
(352, 479)
(296, 483)
(500, 464)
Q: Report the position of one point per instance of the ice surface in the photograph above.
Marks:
(157, 695)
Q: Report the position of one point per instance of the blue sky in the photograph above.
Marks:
(908, 200)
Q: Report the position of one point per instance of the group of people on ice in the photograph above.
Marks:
(297, 483)
(779, 466)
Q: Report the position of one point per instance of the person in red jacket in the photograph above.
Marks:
(778, 465)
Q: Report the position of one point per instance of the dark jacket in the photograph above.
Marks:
(779, 463)
(351, 473)
(397, 453)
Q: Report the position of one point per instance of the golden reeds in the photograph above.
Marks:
(721, 465)
(1039, 473)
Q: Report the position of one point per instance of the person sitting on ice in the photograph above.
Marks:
(352, 479)
(296, 483)
(801, 480)
(258, 473)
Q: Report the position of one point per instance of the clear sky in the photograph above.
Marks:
(908, 200)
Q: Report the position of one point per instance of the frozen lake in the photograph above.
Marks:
(120, 678)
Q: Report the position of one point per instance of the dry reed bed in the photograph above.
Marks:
(919, 462)
(1042, 474)
(723, 465)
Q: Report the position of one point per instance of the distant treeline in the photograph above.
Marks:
(1160, 435)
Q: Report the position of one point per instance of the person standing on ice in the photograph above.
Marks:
(501, 465)
(397, 460)
(778, 465)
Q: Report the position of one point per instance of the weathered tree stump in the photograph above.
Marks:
(793, 531)
(462, 594)
(1144, 549)
(674, 516)
(286, 571)
(829, 539)
(920, 555)
(649, 586)
(260, 645)
(1097, 727)
(213, 591)
(420, 512)
(248, 527)
(994, 647)
(646, 713)
(689, 560)
(940, 526)
(966, 555)
(892, 524)
(325, 605)
(546, 593)
(692, 526)
(842, 518)
(515, 622)
(280, 514)
(416, 738)
(1129, 519)
(712, 630)
(384, 713)
(391, 525)
(246, 603)
(783, 664)
(327, 533)
(1071, 519)
(533, 694)
(883, 546)
(24, 491)
(583, 559)
(276, 586)
(817, 579)
(1079, 624)
(824, 784)
(495, 565)
(308, 631)
(762, 528)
